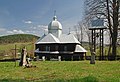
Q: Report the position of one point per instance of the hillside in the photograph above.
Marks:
(18, 38)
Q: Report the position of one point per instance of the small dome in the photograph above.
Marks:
(54, 24)
(55, 18)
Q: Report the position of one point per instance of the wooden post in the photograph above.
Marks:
(15, 55)
(15, 51)
(92, 61)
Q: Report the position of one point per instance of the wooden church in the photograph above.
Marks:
(56, 45)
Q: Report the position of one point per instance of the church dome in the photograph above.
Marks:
(54, 24)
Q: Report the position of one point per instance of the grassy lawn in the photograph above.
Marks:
(64, 71)
(7, 49)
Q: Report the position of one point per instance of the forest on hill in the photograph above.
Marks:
(17, 38)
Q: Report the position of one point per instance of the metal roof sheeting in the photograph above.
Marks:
(64, 38)
(80, 49)
(70, 38)
(48, 39)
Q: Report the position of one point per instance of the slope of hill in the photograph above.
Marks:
(16, 38)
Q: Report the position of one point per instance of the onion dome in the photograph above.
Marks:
(54, 24)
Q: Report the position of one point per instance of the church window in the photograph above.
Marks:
(65, 48)
(56, 47)
(47, 48)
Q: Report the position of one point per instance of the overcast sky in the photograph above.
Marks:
(33, 16)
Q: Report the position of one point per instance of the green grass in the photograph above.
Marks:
(64, 71)
(7, 49)
(10, 46)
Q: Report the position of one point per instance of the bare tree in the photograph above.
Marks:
(93, 10)
(113, 23)
(79, 32)
(82, 29)
(109, 10)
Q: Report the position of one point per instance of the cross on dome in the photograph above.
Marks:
(55, 13)
(55, 17)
